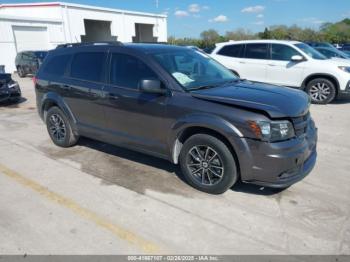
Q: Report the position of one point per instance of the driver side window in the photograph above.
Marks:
(127, 71)
(283, 52)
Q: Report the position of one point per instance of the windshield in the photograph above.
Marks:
(311, 51)
(193, 69)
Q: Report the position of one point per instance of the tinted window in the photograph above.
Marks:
(231, 50)
(256, 51)
(57, 65)
(127, 71)
(40, 54)
(327, 53)
(283, 52)
(28, 56)
(88, 66)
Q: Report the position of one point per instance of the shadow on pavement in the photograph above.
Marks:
(13, 103)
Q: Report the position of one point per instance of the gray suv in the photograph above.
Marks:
(178, 104)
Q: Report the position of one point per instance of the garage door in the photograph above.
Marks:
(31, 38)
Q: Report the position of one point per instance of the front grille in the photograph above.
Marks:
(300, 124)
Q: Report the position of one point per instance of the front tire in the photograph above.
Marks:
(321, 91)
(207, 164)
(59, 128)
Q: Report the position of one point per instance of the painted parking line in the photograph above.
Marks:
(87, 214)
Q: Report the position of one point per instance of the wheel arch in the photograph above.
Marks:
(321, 75)
(52, 99)
(203, 124)
(193, 130)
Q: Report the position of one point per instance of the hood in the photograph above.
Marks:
(338, 59)
(336, 62)
(276, 101)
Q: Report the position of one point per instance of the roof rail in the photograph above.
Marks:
(115, 43)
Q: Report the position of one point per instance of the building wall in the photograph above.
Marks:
(65, 23)
(7, 39)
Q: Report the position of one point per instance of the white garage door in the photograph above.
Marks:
(31, 38)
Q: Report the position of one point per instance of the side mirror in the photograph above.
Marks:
(151, 86)
(297, 58)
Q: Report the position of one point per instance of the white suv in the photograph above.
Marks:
(288, 63)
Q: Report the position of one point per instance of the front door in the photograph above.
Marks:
(134, 118)
(281, 70)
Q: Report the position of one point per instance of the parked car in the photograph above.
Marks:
(346, 52)
(321, 44)
(178, 104)
(28, 62)
(345, 47)
(9, 89)
(331, 53)
(288, 63)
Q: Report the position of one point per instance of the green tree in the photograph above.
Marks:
(210, 37)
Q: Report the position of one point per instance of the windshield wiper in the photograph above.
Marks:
(216, 85)
(202, 87)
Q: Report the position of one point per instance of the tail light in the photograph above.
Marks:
(35, 80)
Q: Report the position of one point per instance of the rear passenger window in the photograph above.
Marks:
(283, 52)
(256, 51)
(57, 65)
(88, 66)
(127, 71)
(231, 50)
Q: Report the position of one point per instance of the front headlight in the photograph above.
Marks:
(272, 131)
(345, 68)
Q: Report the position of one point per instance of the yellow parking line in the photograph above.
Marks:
(120, 232)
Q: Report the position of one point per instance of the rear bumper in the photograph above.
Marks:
(279, 164)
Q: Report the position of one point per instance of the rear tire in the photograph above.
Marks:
(207, 164)
(59, 128)
(20, 72)
(321, 91)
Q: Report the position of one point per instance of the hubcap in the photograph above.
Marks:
(57, 127)
(205, 165)
(320, 92)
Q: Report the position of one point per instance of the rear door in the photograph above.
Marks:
(281, 70)
(254, 64)
(83, 92)
(229, 56)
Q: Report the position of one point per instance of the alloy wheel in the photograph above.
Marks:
(57, 127)
(320, 91)
(205, 165)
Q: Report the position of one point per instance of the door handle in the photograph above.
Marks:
(241, 62)
(66, 87)
(271, 64)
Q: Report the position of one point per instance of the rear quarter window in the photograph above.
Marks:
(231, 50)
(88, 66)
(57, 65)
